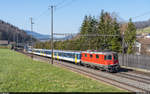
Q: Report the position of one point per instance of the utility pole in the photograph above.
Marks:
(31, 35)
(52, 8)
(17, 40)
(8, 35)
(14, 42)
(123, 48)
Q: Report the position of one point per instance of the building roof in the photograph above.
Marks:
(3, 42)
(144, 41)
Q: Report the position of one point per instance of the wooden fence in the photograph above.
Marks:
(135, 61)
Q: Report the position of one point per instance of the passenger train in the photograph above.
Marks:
(102, 60)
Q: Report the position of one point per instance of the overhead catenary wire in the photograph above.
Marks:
(135, 17)
(86, 35)
(146, 13)
(60, 3)
(42, 14)
(65, 5)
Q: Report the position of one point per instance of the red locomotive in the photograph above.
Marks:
(103, 60)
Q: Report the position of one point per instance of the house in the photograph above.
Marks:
(148, 36)
(6, 43)
(139, 36)
(143, 46)
(138, 48)
(3, 42)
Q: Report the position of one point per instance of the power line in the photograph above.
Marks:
(44, 12)
(146, 13)
(67, 4)
(60, 3)
(85, 35)
(135, 17)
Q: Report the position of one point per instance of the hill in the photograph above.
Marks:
(38, 35)
(144, 30)
(142, 24)
(43, 37)
(12, 33)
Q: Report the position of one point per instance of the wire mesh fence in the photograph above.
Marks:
(135, 61)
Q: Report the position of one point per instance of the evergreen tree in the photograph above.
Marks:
(83, 31)
(130, 36)
(116, 40)
(101, 30)
(105, 25)
(93, 23)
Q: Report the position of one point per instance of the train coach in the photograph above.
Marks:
(102, 60)
(60, 55)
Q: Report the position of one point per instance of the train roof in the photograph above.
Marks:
(77, 52)
(92, 52)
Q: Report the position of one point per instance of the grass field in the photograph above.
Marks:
(18, 73)
(145, 30)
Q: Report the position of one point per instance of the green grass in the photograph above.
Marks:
(145, 30)
(19, 73)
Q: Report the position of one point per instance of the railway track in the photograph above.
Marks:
(134, 77)
(131, 81)
(114, 79)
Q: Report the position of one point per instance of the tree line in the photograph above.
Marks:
(105, 25)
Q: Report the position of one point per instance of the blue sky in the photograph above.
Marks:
(69, 17)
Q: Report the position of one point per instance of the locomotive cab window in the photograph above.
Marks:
(115, 56)
(108, 57)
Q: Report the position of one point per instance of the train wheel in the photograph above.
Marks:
(97, 68)
(87, 65)
(117, 68)
(93, 67)
(82, 64)
(107, 70)
(110, 70)
(101, 69)
(79, 64)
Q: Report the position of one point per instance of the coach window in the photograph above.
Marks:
(91, 56)
(79, 56)
(97, 56)
(55, 54)
(73, 55)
